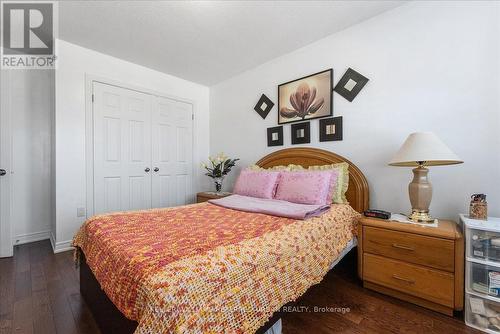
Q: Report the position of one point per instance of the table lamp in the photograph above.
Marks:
(422, 149)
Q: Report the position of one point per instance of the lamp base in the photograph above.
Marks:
(420, 190)
(419, 216)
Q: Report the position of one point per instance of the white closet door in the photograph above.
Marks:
(6, 225)
(122, 149)
(172, 127)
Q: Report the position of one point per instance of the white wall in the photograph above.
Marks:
(74, 62)
(432, 66)
(31, 108)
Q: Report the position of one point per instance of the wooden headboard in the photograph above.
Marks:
(357, 193)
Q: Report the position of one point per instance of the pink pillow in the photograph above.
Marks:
(307, 187)
(260, 184)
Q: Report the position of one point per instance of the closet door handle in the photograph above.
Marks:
(147, 169)
(156, 169)
(2, 172)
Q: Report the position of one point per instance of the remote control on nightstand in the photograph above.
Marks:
(377, 214)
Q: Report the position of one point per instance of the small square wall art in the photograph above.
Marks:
(275, 136)
(330, 129)
(264, 106)
(350, 84)
(301, 133)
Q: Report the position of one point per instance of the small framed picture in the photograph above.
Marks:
(350, 84)
(301, 133)
(275, 136)
(330, 129)
(263, 106)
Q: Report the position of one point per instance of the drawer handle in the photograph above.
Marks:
(407, 280)
(408, 248)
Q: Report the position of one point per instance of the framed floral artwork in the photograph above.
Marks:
(306, 98)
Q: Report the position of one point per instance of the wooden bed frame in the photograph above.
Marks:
(111, 321)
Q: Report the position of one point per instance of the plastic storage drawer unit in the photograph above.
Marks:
(482, 313)
(484, 245)
(482, 273)
(484, 279)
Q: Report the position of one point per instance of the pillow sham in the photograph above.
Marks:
(307, 187)
(260, 184)
(342, 183)
(274, 168)
(339, 196)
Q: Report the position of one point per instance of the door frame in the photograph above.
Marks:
(6, 244)
(89, 131)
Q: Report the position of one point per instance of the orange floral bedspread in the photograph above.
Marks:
(207, 269)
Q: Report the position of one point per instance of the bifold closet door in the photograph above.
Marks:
(172, 149)
(122, 149)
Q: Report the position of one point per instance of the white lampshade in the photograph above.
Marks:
(424, 147)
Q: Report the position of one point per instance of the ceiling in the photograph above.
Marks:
(206, 41)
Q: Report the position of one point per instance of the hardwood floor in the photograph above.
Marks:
(39, 293)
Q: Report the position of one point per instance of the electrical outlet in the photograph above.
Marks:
(80, 212)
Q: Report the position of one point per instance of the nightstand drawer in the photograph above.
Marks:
(426, 283)
(409, 247)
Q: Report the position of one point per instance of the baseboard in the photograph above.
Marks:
(63, 246)
(59, 247)
(30, 237)
(52, 240)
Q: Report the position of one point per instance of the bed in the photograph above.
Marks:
(249, 255)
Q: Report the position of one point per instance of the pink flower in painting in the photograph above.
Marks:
(303, 102)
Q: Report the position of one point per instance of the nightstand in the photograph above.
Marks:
(206, 195)
(423, 265)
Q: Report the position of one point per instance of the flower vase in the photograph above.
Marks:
(218, 184)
